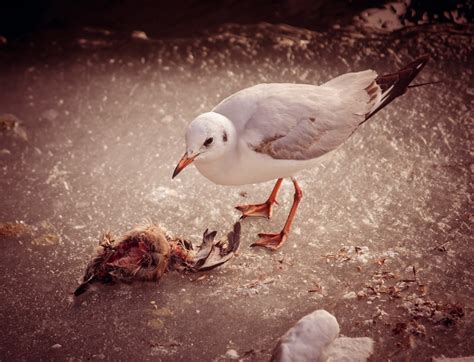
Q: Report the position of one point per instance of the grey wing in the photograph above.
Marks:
(302, 122)
(309, 139)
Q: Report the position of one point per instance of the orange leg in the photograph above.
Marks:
(275, 241)
(261, 210)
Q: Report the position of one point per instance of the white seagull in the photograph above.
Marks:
(273, 131)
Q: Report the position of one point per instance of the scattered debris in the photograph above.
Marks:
(384, 282)
(379, 313)
(412, 296)
(410, 328)
(341, 255)
(438, 313)
(416, 304)
(260, 281)
(348, 253)
(146, 254)
(258, 286)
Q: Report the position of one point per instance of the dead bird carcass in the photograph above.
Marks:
(146, 253)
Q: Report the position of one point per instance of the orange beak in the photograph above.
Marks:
(185, 161)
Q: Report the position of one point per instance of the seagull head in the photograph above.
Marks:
(208, 137)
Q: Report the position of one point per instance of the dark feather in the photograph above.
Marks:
(234, 238)
(85, 286)
(399, 82)
(205, 249)
(222, 252)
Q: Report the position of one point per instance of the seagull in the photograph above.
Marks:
(273, 131)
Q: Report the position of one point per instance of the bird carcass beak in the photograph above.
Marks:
(185, 161)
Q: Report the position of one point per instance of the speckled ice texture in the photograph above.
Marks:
(382, 238)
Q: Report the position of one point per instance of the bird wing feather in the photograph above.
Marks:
(299, 121)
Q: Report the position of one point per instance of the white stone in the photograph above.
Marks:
(232, 354)
(314, 338)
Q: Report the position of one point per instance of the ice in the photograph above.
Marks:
(105, 115)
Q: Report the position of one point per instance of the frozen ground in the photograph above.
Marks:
(382, 238)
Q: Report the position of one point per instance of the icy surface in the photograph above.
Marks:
(382, 238)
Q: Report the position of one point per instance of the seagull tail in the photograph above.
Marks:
(396, 84)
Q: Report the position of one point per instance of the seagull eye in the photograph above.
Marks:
(208, 141)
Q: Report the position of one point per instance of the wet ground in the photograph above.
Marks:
(92, 127)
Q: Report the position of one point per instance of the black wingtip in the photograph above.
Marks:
(416, 66)
(405, 75)
(420, 60)
(425, 83)
(394, 85)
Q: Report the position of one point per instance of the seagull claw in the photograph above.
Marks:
(272, 241)
(257, 210)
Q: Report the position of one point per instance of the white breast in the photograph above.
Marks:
(244, 166)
